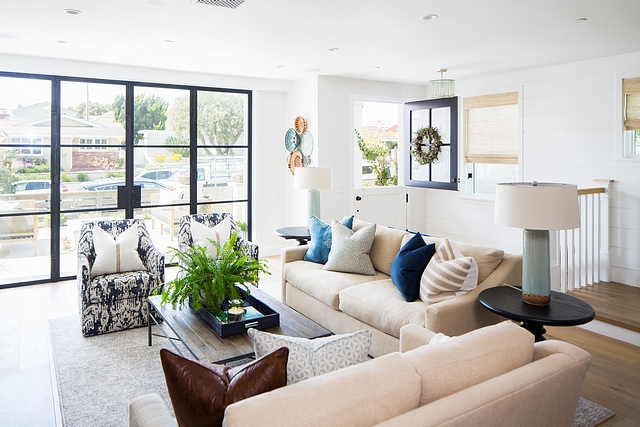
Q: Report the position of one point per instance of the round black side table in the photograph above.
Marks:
(299, 233)
(563, 310)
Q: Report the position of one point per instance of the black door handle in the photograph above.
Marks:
(358, 198)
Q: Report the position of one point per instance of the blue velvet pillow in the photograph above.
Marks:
(408, 266)
(320, 244)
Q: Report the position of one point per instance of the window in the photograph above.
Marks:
(28, 151)
(492, 135)
(631, 91)
(376, 148)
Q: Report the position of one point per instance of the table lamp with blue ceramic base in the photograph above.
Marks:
(537, 207)
(313, 179)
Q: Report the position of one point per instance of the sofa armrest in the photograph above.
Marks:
(290, 254)
(149, 411)
(460, 315)
(413, 336)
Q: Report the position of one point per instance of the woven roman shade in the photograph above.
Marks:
(492, 128)
(631, 89)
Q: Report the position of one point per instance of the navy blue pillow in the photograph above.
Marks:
(320, 244)
(408, 266)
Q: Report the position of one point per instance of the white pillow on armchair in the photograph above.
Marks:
(116, 256)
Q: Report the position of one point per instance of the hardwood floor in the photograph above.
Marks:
(614, 303)
(613, 379)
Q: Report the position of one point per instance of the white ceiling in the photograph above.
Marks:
(280, 39)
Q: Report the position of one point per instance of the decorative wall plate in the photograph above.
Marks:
(291, 140)
(300, 124)
(294, 160)
(306, 161)
(306, 143)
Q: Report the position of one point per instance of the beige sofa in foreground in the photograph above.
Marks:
(344, 302)
(494, 376)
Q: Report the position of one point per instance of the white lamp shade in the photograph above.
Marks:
(313, 178)
(537, 206)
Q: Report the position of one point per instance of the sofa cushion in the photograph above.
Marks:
(321, 239)
(350, 250)
(340, 398)
(386, 245)
(470, 359)
(116, 256)
(309, 358)
(379, 305)
(321, 284)
(448, 275)
(409, 264)
(486, 258)
(200, 392)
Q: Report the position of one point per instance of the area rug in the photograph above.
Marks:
(98, 376)
(590, 414)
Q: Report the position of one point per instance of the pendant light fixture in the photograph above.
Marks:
(441, 88)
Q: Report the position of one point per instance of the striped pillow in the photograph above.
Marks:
(448, 274)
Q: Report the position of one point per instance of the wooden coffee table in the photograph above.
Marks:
(203, 343)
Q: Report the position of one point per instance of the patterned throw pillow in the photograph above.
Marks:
(409, 264)
(448, 274)
(220, 233)
(116, 256)
(200, 392)
(320, 244)
(350, 250)
(308, 358)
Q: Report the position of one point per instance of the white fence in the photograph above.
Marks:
(583, 253)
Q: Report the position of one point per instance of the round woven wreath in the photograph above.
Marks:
(426, 157)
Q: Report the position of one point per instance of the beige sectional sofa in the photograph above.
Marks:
(345, 302)
(493, 376)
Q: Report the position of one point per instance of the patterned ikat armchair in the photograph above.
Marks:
(114, 302)
(185, 239)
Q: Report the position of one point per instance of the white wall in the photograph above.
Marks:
(569, 135)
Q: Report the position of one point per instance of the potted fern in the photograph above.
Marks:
(211, 281)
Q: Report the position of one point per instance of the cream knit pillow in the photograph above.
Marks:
(116, 256)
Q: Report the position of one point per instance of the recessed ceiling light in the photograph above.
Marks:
(376, 68)
(63, 41)
(581, 20)
(312, 70)
(72, 12)
(279, 66)
(168, 41)
(430, 17)
(8, 36)
(333, 49)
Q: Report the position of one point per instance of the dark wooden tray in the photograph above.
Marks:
(258, 315)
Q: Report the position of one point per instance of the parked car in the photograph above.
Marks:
(112, 184)
(156, 174)
(35, 186)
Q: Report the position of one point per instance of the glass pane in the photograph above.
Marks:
(25, 179)
(161, 117)
(377, 142)
(486, 176)
(440, 119)
(94, 187)
(70, 226)
(223, 170)
(159, 180)
(222, 121)
(441, 169)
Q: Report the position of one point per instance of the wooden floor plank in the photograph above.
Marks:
(613, 379)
